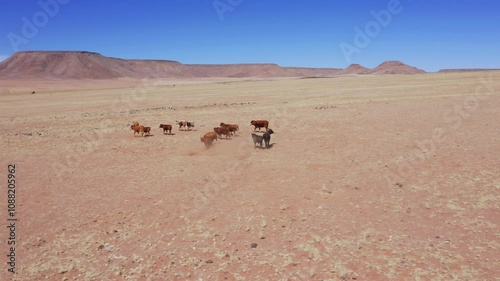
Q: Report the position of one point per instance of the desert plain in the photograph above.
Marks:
(369, 177)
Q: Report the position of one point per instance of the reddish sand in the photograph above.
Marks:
(369, 178)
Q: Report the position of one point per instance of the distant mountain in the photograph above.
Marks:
(468, 69)
(89, 65)
(354, 69)
(394, 67)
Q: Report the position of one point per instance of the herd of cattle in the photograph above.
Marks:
(224, 129)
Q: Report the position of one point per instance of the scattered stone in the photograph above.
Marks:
(254, 245)
(325, 189)
(209, 261)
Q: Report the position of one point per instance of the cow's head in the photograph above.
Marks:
(270, 131)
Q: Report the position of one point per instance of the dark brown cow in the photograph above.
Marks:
(222, 131)
(232, 127)
(259, 124)
(267, 137)
(166, 128)
(147, 131)
(209, 138)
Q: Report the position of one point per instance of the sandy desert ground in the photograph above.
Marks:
(390, 177)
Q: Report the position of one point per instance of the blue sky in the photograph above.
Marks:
(428, 34)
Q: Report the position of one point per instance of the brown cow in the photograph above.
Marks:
(209, 138)
(259, 124)
(222, 131)
(232, 127)
(166, 128)
(137, 129)
(141, 130)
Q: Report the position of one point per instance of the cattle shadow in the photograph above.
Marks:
(264, 147)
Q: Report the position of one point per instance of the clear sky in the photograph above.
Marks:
(428, 34)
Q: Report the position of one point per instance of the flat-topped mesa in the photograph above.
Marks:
(80, 65)
(55, 65)
(468, 69)
(57, 52)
